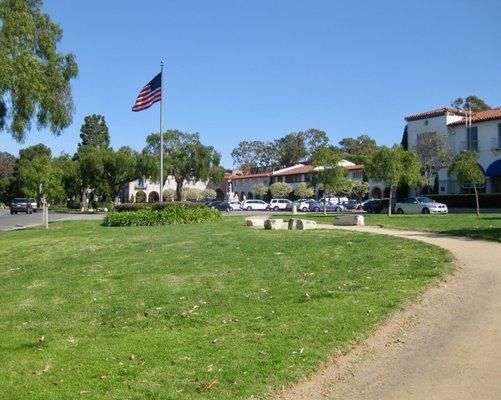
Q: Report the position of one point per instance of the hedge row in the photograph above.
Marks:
(468, 200)
(155, 206)
(175, 214)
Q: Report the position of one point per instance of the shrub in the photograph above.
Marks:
(280, 189)
(169, 194)
(303, 191)
(209, 194)
(167, 214)
(192, 194)
(154, 206)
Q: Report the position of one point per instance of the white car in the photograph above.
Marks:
(250, 205)
(304, 204)
(420, 205)
(234, 205)
(280, 204)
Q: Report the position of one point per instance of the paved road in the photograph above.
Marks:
(446, 347)
(18, 221)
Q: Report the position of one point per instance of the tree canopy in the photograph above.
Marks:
(328, 172)
(34, 76)
(357, 150)
(433, 152)
(94, 132)
(474, 103)
(394, 166)
(465, 169)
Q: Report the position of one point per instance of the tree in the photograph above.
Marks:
(395, 167)
(360, 189)
(186, 158)
(328, 173)
(405, 139)
(474, 103)
(357, 150)
(94, 132)
(7, 162)
(253, 154)
(39, 175)
(259, 189)
(433, 153)
(465, 169)
(89, 172)
(119, 168)
(304, 191)
(34, 76)
(291, 149)
(314, 139)
(280, 189)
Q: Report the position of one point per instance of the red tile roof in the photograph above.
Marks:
(481, 116)
(299, 169)
(248, 176)
(355, 167)
(435, 113)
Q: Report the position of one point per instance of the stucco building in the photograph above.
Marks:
(482, 135)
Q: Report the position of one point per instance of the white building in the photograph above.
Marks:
(240, 186)
(150, 191)
(483, 136)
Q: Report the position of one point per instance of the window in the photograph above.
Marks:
(472, 138)
(293, 178)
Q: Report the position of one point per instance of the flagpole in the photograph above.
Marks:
(162, 132)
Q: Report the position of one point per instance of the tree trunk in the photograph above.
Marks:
(325, 206)
(83, 200)
(179, 189)
(390, 200)
(476, 199)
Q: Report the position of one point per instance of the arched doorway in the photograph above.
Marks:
(140, 197)
(387, 192)
(153, 197)
(219, 194)
(250, 195)
(242, 196)
(376, 193)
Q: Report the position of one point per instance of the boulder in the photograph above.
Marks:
(304, 224)
(350, 220)
(257, 223)
(292, 223)
(273, 224)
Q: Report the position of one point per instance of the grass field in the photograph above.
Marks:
(210, 311)
(487, 226)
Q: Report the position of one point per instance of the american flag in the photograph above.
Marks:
(149, 95)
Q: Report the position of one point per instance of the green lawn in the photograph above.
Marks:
(209, 311)
(487, 226)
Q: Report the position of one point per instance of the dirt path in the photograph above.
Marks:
(448, 346)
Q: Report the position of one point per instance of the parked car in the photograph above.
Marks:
(234, 205)
(34, 205)
(376, 206)
(335, 200)
(21, 204)
(420, 205)
(319, 206)
(280, 204)
(221, 206)
(352, 204)
(250, 205)
(304, 204)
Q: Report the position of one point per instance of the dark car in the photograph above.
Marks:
(376, 206)
(352, 205)
(221, 206)
(21, 204)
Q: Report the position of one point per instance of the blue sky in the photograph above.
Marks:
(256, 70)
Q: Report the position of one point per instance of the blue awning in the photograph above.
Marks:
(494, 169)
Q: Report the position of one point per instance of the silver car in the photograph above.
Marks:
(420, 205)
